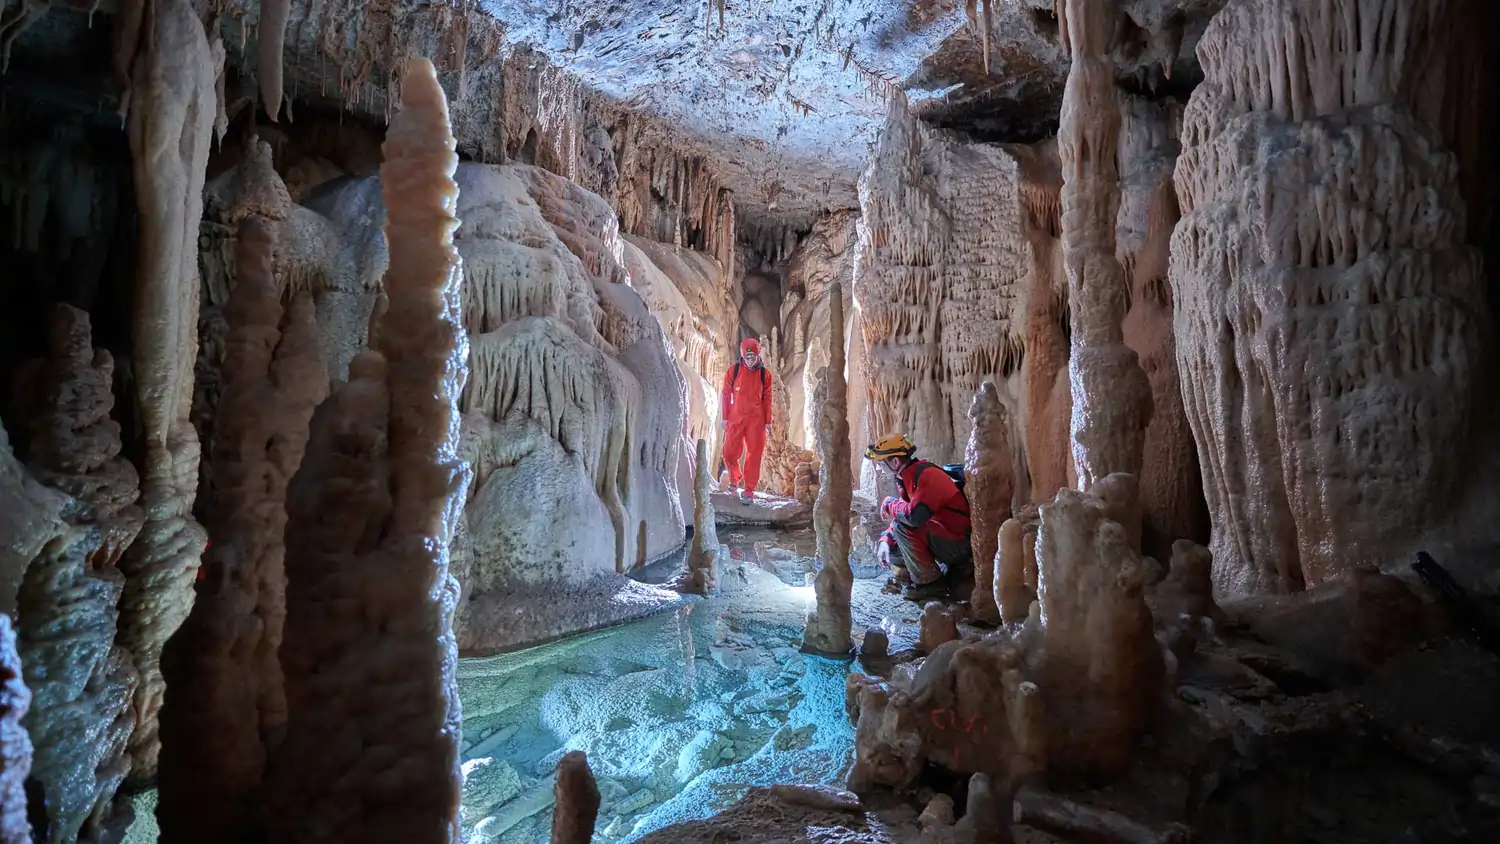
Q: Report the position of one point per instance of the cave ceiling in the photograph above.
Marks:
(783, 96)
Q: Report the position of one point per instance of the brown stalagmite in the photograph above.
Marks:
(702, 577)
(575, 799)
(225, 706)
(15, 745)
(272, 36)
(1111, 396)
(171, 119)
(81, 681)
(990, 463)
(1329, 338)
(371, 746)
(1102, 669)
(828, 626)
(1010, 575)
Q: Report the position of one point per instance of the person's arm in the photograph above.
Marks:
(913, 513)
(725, 395)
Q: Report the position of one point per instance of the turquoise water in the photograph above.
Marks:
(679, 713)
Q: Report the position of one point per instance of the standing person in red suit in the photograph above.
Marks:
(746, 405)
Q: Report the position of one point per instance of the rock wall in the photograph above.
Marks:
(1330, 318)
(941, 255)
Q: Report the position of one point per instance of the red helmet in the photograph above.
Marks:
(750, 344)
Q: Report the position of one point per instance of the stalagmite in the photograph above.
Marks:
(225, 708)
(371, 746)
(172, 109)
(1011, 589)
(575, 799)
(1102, 668)
(1330, 334)
(15, 745)
(703, 558)
(1188, 588)
(828, 626)
(990, 463)
(936, 626)
(1111, 396)
(81, 681)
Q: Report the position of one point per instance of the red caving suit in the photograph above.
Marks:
(746, 404)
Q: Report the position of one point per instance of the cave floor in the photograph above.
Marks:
(679, 713)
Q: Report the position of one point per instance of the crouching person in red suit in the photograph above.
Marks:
(929, 521)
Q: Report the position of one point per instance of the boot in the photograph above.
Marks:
(921, 592)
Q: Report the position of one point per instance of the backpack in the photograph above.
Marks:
(952, 470)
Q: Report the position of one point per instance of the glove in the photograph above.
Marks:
(883, 554)
(885, 507)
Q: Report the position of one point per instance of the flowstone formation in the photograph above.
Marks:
(940, 258)
(1111, 396)
(80, 679)
(172, 106)
(829, 623)
(371, 744)
(688, 293)
(1330, 319)
(225, 707)
(1069, 693)
(30, 518)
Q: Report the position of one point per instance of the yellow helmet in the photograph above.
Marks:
(888, 446)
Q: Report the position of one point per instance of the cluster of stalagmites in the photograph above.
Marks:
(1068, 686)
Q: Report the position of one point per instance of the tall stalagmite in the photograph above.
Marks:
(1111, 396)
(828, 625)
(225, 707)
(81, 680)
(172, 110)
(1330, 319)
(371, 747)
(703, 558)
(990, 463)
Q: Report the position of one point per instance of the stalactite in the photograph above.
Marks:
(371, 747)
(225, 707)
(170, 128)
(1111, 396)
(828, 624)
(271, 35)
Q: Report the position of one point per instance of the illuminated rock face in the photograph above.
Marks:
(1330, 319)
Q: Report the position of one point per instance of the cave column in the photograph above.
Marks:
(170, 125)
(1111, 396)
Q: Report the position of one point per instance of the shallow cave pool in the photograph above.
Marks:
(679, 713)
